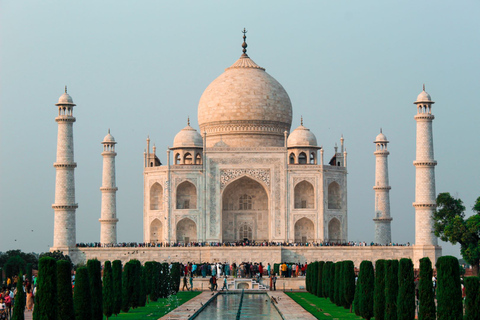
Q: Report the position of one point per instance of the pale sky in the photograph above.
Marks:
(140, 67)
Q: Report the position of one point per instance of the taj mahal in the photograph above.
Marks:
(246, 176)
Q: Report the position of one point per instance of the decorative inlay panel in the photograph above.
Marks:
(230, 174)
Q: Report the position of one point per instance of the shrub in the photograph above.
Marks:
(449, 292)
(349, 283)
(127, 285)
(65, 309)
(314, 277)
(107, 292)
(391, 289)
(326, 278)
(472, 300)
(379, 293)
(356, 299)
(94, 268)
(331, 283)
(320, 278)
(426, 295)
(46, 293)
(81, 296)
(406, 291)
(143, 285)
(117, 286)
(366, 277)
(338, 284)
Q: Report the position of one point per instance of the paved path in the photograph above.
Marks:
(289, 308)
(188, 309)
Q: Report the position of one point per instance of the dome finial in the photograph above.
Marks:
(424, 87)
(108, 130)
(381, 130)
(244, 44)
(65, 88)
(188, 120)
(301, 120)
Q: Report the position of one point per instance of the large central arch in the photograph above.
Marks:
(245, 211)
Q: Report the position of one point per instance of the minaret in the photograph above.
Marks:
(383, 231)
(64, 206)
(108, 219)
(425, 196)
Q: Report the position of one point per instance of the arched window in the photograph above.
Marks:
(186, 196)
(304, 195)
(302, 158)
(245, 232)
(304, 230)
(198, 159)
(177, 158)
(187, 158)
(186, 230)
(334, 232)
(312, 158)
(156, 197)
(334, 196)
(292, 158)
(245, 202)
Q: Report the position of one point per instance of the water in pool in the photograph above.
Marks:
(254, 306)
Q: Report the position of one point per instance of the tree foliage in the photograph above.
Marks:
(117, 286)
(320, 278)
(65, 309)
(452, 226)
(107, 291)
(27, 257)
(14, 265)
(349, 283)
(391, 289)
(449, 292)
(367, 280)
(19, 308)
(46, 292)
(406, 290)
(326, 279)
(472, 300)
(57, 255)
(175, 278)
(379, 293)
(331, 283)
(337, 292)
(427, 310)
(94, 268)
(81, 296)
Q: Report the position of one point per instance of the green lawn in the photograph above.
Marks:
(155, 310)
(321, 308)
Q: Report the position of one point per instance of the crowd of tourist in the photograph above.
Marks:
(234, 244)
(8, 294)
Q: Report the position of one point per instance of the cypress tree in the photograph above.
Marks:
(320, 279)
(391, 289)
(149, 277)
(46, 293)
(379, 294)
(472, 307)
(314, 272)
(127, 285)
(338, 284)
(94, 268)
(349, 283)
(449, 292)
(81, 297)
(107, 291)
(137, 285)
(1, 277)
(65, 310)
(117, 286)
(175, 278)
(356, 299)
(28, 272)
(307, 278)
(426, 295)
(331, 283)
(406, 290)
(143, 284)
(326, 278)
(163, 283)
(155, 281)
(19, 308)
(368, 285)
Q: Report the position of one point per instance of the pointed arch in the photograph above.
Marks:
(334, 230)
(292, 158)
(302, 158)
(304, 230)
(186, 230)
(313, 158)
(156, 231)
(156, 197)
(334, 196)
(186, 196)
(187, 158)
(198, 159)
(304, 195)
(178, 159)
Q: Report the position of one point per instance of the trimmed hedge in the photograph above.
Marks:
(426, 295)
(320, 279)
(117, 286)
(406, 290)
(366, 278)
(349, 283)
(108, 293)
(19, 308)
(46, 293)
(472, 300)
(81, 297)
(326, 279)
(449, 292)
(379, 293)
(391, 289)
(65, 309)
(94, 268)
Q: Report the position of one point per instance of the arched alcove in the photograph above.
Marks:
(304, 230)
(187, 158)
(186, 230)
(156, 197)
(304, 195)
(156, 231)
(186, 195)
(302, 158)
(334, 231)
(334, 196)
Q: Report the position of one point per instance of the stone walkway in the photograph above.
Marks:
(288, 308)
(188, 309)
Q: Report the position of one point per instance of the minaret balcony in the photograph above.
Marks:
(65, 206)
(424, 163)
(65, 119)
(382, 188)
(424, 205)
(65, 165)
(424, 116)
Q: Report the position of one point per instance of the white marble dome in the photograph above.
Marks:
(65, 98)
(109, 138)
(301, 137)
(381, 138)
(424, 97)
(188, 137)
(245, 106)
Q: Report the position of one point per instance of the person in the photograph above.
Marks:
(214, 281)
(29, 303)
(3, 309)
(274, 282)
(225, 286)
(185, 283)
(8, 303)
(191, 282)
(260, 269)
(211, 283)
(269, 270)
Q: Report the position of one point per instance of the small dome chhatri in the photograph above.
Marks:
(423, 96)
(64, 99)
(109, 138)
(381, 138)
(301, 137)
(188, 137)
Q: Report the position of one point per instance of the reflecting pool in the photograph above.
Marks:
(253, 306)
